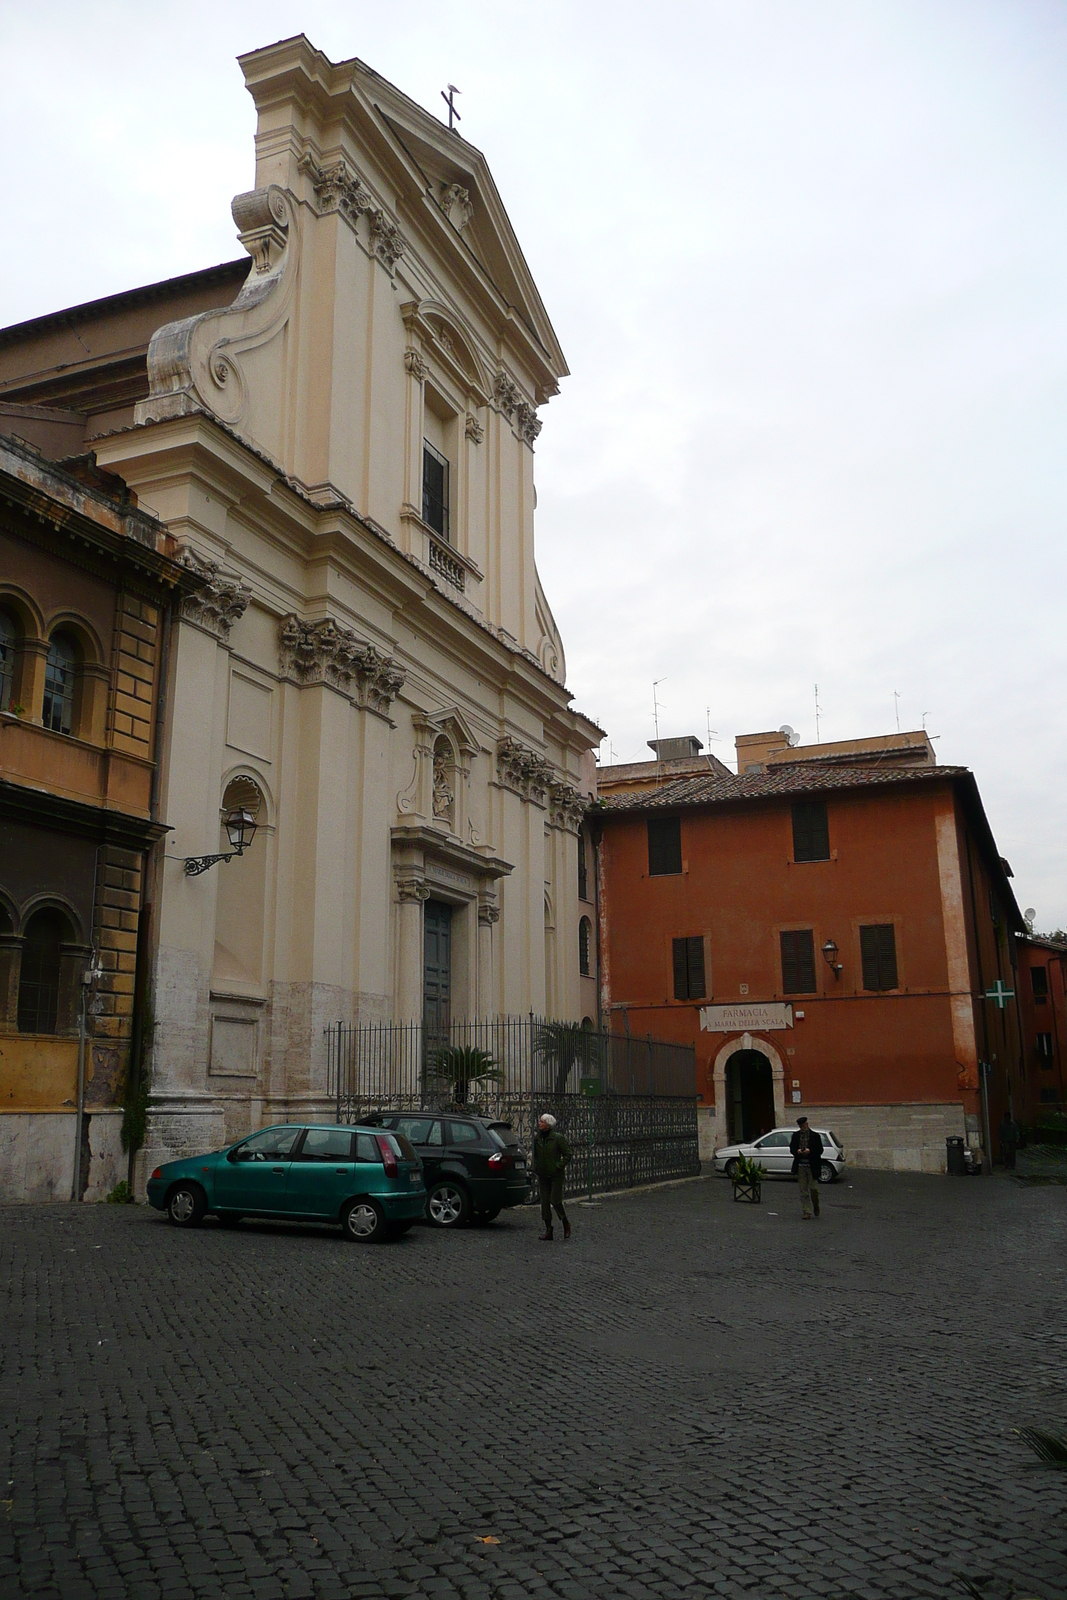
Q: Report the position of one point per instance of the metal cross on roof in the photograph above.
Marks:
(450, 103)
(999, 995)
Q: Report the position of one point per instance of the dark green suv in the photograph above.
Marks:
(473, 1166)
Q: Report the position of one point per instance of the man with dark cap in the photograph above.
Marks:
(806, 1149)
(551, 1152)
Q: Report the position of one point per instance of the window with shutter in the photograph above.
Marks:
(664, 846)
(811, 831)
(689, 979)
(1039, 982)
(878, 953)
(583, 875)
(434, 489)
(798, 961)
(585, 930)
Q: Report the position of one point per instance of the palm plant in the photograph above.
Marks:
(463, 1065)
(561, 1045)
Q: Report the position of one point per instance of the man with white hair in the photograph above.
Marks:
(551, 1152)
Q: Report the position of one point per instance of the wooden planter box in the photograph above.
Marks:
(747, 1191)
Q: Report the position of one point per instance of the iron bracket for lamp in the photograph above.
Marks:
(194, 865)
(829, 951)
(241, 828)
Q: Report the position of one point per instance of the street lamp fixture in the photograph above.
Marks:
(829, 951)
(240, 830)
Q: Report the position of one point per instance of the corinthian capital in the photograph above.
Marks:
(221, 599)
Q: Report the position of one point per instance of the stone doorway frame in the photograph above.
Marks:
(746, 1041)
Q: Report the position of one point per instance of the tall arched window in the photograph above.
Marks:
(585, 930)
(60, 675)
(45, 934)
(583, 874)
(8, 636)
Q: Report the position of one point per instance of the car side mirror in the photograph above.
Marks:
(239, 1155)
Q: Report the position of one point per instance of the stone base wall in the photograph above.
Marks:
(37, 1155)
(909, 1137)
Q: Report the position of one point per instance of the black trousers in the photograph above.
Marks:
(552, 1195)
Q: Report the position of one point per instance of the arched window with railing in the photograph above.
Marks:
(60, 682)
(39, 976)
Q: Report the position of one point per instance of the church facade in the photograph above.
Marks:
(342, 445)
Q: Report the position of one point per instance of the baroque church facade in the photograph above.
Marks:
(342, 447)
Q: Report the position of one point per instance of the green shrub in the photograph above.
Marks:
(120, 1195)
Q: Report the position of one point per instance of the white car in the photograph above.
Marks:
(771, 1150)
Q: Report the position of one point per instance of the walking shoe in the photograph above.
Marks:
(566, 1230)
(545, 1236)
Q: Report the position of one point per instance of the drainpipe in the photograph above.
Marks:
(984, 1067)
(594, 835)
(76, 1181)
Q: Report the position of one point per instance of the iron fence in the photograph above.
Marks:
(626, 1104)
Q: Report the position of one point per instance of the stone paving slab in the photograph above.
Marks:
(691, 1398)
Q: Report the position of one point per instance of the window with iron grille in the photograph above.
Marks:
(583, 875)
(664, 846)
(39, 972)
(811, 831)
(434, 489)
(798, 961)
(689, 981)
(585, 930)
(1044, 1050)
(1039, 983)
(878, 953)
(59, 672)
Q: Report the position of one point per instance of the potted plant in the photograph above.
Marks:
(747, 1179)
(465, 1067)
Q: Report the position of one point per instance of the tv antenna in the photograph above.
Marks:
(818, 710)
(450, 103)
(896, 706)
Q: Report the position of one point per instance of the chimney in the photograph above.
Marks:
(676, 749)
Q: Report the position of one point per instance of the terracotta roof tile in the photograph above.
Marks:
(788, 778)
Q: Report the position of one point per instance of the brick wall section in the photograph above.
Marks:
(118, 904)
(136, 637)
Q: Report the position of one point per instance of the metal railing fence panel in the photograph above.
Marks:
(626, 1105)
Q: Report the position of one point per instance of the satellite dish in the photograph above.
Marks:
(792, 737)
(1028, 917)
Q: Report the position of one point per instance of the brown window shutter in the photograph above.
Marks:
(664, 846)
(695, 962)
(681, 969)
(869, 957)
(798, 961)
(878, 953)
(811, 831)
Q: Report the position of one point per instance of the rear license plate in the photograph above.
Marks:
(414, 1177)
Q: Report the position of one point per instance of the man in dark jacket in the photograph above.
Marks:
(551, 1152)
(806, 1149)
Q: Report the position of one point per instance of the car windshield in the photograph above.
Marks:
(504, 1134)
(407, 1150)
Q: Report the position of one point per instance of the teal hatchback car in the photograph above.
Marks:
(366, 1179)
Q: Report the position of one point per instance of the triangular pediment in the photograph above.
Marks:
(452, 722)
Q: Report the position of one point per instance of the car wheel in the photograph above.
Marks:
(186, 1205)
(827, 1174)
(447, 1205)
(490, 1214)
(364, 1222)
(730, 1168)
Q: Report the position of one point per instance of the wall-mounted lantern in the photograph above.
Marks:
(240, 830)
(829, 951)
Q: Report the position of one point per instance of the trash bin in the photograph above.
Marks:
(957, 1164)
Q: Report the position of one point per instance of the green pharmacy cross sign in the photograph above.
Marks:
(999, 995)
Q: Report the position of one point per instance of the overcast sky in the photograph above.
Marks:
(807, 261)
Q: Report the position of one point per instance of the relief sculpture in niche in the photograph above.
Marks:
(444, 793)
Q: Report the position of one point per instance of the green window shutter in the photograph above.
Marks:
(798, 961)
(811, 831)
(681, 969)
(664, 846)
(695, 963)
(878, 953)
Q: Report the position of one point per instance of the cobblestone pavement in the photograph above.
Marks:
(690, 1398)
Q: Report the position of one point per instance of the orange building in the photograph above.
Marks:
(832, 927)
(1042, 987)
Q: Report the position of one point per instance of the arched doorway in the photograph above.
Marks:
(749, 1096)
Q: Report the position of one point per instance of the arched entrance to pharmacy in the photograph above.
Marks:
(749, 1089)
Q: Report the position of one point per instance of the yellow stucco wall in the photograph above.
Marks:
(38, 1074)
